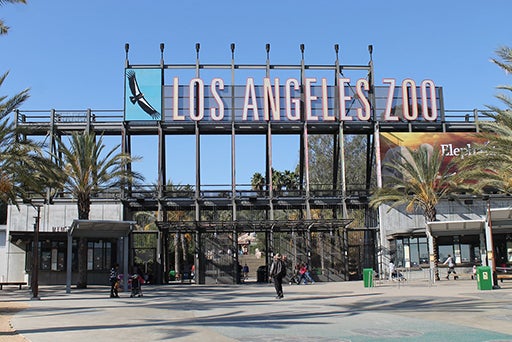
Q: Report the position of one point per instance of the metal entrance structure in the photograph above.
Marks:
(288, 217)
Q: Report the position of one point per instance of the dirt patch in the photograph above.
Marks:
(7, 332)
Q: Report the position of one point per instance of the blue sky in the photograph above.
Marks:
(71, 55)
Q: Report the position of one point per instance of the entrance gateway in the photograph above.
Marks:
(309, 222)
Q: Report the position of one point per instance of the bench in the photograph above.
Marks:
(503, 272)
(18, 283)
(502, 276)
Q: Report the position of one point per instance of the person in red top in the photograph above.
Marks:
(304, 275)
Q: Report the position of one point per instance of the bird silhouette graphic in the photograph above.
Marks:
(138, 96)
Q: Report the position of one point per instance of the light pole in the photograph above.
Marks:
(490, 245)
(35, 255)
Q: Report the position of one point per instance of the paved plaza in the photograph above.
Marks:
(347, 311)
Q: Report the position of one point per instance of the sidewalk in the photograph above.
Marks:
(347, 311)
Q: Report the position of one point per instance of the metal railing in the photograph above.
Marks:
(95, 116)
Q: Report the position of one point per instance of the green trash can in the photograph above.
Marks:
(484, 278)
(368, 277)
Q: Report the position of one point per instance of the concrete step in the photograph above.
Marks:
(252, 262)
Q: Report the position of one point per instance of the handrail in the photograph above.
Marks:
(28, 117)
(150, 192)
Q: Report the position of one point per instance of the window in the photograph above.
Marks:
(466, 249)
(400, 258)
(3, 213)
(99, 256)
(414, 250)
(465, 253)
(444, 251)
(3, 236)
(52, 255)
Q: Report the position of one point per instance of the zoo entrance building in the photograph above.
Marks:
(328, 226)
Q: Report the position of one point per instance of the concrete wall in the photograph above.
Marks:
(59, 216)
(398, 220)
(15, 268)
(3, 251)
(56, 217)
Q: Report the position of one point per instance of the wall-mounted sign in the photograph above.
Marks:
(451, 144)
(143, 94)
(311, 99)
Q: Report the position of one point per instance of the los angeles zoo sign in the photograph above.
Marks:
(273, 100)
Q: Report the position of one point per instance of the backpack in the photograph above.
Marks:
(283, 269)
(278, 268)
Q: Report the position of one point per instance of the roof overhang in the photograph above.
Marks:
(101, 228)
(501, 220)
(462, 227)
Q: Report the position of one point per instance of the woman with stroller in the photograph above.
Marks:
(396, 275)
(136, 281)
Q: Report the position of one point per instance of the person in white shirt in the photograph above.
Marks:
(451, 267)
(392, 270)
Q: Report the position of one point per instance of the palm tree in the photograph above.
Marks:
(180, 240)
(3, 28)
(491, 168)
(17, 155)
(89, 171)
(291, 180)
(418, 182)
(278, 181)
(258, 182)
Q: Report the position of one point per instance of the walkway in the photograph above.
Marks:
(447, 311)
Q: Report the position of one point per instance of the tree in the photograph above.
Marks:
(321, 156)
(17, 155)
(418, 182)
(4, 28)
(490, 169)
(180, 241)
(89, 171)
(258, 182)
(290, 180)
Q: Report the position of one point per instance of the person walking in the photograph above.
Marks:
(245, 270)
(392, 270)
(114, 281)
(277, 272)
(451, 267)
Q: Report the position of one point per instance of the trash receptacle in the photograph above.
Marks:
(172, 275)
(368, 277)
(261, 274)
(484, 278)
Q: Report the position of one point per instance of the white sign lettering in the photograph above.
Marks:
(275, 101)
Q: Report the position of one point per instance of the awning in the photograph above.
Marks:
(27, 236)
(100, 228)
(501, 220)
(462, 227)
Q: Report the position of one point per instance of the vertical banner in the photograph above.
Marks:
(143, 95)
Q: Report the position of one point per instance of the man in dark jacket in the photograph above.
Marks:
(277, 271)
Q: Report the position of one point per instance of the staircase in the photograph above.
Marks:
(253, 263)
